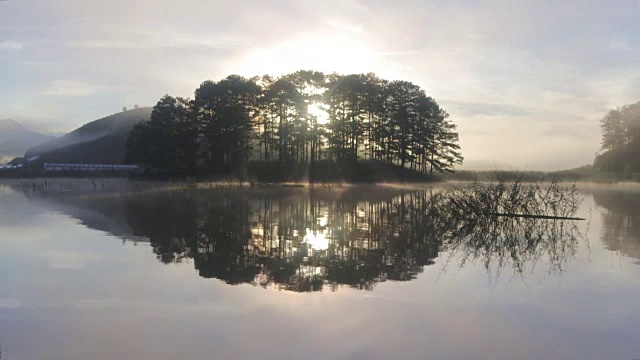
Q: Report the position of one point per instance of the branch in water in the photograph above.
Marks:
(534, 216)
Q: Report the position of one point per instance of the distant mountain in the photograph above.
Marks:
(99, 142)
(15, 139)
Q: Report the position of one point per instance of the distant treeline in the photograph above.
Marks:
(621, 142)
(585, 173)
(304, 118)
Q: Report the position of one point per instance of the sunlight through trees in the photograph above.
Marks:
(302, 118)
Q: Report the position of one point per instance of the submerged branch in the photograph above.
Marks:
(529, 216)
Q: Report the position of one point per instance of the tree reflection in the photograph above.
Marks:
(514, 242)
(311, 241)
(321, 239)
(621, 221)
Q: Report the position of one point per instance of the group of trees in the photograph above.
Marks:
(302, 118)
(620, 141)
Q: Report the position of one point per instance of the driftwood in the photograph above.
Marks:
(529, 216)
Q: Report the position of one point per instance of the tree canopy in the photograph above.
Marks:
(620, 141)
(301, 118)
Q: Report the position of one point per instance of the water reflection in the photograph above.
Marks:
(292, 241)
(621, 221)
(310, 240)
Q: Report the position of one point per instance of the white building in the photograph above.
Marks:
(88, 167)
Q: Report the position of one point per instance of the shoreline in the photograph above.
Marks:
(102, 185)
(76, 184)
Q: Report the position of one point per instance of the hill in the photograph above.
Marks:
(100, 141)
(109, 149)
(15, 139)
(106, 131)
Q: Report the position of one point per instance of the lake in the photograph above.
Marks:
(356, 272)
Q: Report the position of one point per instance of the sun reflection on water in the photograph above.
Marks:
(316, 239)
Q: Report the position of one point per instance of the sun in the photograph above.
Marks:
(316, 110)
(329, 50)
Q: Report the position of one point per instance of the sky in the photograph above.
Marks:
(525, 81)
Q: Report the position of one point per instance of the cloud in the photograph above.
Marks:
(10, 45)
(10, 303)
(145, 39)
(466, 108)
(73, 88)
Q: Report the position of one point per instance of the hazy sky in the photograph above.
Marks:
(526, 81)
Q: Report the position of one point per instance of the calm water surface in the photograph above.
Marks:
(272, 273)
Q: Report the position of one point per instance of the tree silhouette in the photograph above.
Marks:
(236, 120)
(227, 111)
(620, 141)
